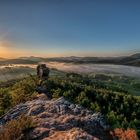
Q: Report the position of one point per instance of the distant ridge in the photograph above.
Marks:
(16, 61)
(1, 59)
(132, 60)
(32, 58)
(137, 55)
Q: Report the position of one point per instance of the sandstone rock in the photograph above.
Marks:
(60, 120)
(35, 110)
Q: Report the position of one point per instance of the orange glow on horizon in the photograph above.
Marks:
(10, 50)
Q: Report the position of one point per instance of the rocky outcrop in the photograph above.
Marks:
(58, 119)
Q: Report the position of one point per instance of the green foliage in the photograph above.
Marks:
(57, 93)
(99, 93)
(23, 91)
(121, 109)
(20, 92)
(5, 100)
(83, 99)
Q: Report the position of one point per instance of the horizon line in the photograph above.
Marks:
(37, 56)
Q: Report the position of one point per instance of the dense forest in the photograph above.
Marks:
(121, 108)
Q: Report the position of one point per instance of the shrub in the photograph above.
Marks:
(128, 134)
(17, 129)
(23, 91)
(5, 100)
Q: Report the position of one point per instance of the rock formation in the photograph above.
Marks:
(58, 119)
(43, 71)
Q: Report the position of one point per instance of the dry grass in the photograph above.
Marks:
(128, 134)
(17, 129)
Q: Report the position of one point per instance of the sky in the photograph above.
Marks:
(54, 28)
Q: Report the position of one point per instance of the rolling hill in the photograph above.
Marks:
(132, 60)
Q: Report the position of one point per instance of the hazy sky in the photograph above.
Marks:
(69, 27)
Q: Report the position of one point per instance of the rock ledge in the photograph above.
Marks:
(60, 120)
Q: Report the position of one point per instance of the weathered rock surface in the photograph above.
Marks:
(60, 120)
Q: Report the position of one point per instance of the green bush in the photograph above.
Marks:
(20, 92)
(116, 104)
(5, 100)
(120, 108)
